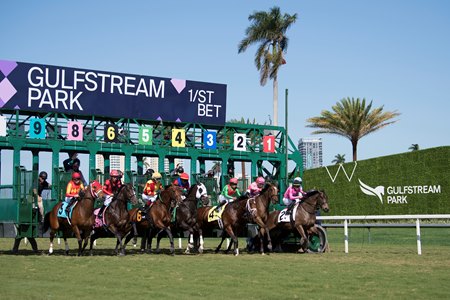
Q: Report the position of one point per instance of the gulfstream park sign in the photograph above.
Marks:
(398, 194)
(43, 88)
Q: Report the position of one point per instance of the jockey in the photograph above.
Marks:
(74, 187)
(110, 187)
(293, 194)
(230, 192)
(254, 189)
(183, 182)
(152, 189)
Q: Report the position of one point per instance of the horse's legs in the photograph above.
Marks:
(190, 244)
(122, 249)
(300, 230)
(234, 239)
(135, 234)
(221, 242)
(150, 239)
(86, 238)
(52, 236)
(76, 230)
(201, 248)
(91, 242)
(169, 233)
(66, 245)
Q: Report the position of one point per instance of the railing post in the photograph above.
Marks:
(346, 236)
(419, 244)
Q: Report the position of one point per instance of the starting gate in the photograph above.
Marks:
(267, 149)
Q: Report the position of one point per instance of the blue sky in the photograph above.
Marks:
(396, 53)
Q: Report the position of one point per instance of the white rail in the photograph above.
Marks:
(417, 219)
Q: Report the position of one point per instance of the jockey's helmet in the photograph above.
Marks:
(76, 175)
(297, 181)
(260, 180)
(115, 173)
(156, 175)
(233, 180)
(184, 176)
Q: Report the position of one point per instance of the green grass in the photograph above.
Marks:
(387, 267)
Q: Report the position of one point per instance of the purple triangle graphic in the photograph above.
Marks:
(17, 107)
(159, 119)
(179, 84)
(7, 66)
(178, 120)
(1, 103)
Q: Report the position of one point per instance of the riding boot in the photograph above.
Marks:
(100, 212)
(219, 206)
(69, 205)
(290, 207)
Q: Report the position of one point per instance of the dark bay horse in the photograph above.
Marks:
(240, 212)
(256, 211)
(116, 217)
(186, 214)
(81, 222)
(305, 216)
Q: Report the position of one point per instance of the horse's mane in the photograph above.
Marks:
(311, 193)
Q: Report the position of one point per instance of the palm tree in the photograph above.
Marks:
(269, 30)
(352, 119)
(338, 159)
(414, 147)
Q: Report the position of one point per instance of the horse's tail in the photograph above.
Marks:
(46, 222)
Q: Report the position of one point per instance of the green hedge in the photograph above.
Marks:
(428, 170)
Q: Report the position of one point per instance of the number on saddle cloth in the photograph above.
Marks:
(285, 217)
(214, 215)
(62, 210)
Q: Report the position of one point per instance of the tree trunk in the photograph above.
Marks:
(354, 149)
(275, 101)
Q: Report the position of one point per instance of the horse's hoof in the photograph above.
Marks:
(269, 247)
(200, 250)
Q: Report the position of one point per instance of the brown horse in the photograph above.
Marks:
(160, 217)
(116, 217)
(186, 214)
(81, 221)
(305, 216)
(240, 212)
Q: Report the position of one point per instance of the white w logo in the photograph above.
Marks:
(337, 172)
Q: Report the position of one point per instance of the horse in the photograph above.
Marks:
(160, 217)
(305, 216)
(157, 217)
(244, 210)
(116, 217)
(186, 214)
(81, 221)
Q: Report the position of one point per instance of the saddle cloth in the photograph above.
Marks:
(99, 222)
(213, 215)
(284, 217)
(62, 210)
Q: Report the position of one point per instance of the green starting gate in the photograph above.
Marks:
(20, 197)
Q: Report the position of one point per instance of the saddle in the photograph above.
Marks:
(214, 215)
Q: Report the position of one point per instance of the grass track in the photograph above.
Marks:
(388, 267)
